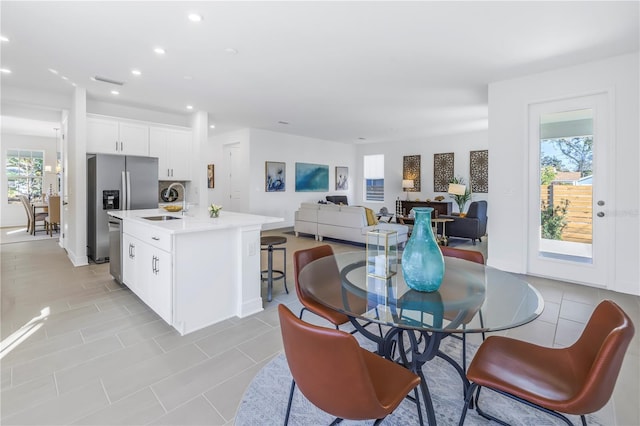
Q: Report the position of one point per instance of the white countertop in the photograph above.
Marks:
(196, 220)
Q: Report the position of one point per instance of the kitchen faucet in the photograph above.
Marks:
(184, 195)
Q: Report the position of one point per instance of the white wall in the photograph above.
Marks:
(257, 147)
(508, 152)
(14, 214)
(459, 144)
(291, 149)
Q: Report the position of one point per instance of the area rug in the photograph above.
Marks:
(19, 234)
(265, 400)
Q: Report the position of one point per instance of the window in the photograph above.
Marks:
(374, 177)
(24, 174)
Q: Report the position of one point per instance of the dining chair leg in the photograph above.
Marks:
(293, 387)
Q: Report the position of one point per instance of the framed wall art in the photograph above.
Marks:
(411, 171)
(342, 178)
(210, 176)
(312, 177)
(479, 170)
(274, 176)
(442, 171)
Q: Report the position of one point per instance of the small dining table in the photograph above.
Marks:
(473, 298)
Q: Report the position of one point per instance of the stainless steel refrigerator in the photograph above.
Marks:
(116, 182)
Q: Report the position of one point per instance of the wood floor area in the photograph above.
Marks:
(77, 348)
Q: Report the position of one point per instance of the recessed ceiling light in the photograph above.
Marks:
(189, 106)
(64, 78)
(5, 71)
(73, 84)
(3, 38)
(231, 50)
(52, 71)
(115, 92)
(159, 50)
(212, 126)
(194, 17)
(93, 79)
(136, 72)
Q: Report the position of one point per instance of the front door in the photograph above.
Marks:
(569, 199)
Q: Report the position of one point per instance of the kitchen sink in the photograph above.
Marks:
(163, 217)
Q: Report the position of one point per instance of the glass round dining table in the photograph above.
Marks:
(473, 298)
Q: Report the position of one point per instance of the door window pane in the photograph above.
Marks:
(566, 176)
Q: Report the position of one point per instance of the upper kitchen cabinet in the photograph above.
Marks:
(107, 136)
(173, 147)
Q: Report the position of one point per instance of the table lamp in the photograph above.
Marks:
(406, 185)
(458, 190)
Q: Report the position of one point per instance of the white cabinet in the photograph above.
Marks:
(108, 136)
(173, 147)
(147, 265)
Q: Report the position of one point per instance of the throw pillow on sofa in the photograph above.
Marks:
(371, 218)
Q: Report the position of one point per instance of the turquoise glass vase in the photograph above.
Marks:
(422, 260)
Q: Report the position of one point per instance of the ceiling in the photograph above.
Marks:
(353, 72)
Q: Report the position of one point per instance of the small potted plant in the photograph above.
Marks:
(214, 210)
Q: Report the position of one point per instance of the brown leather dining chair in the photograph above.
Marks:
(471, 256)
(339, 377)
(301, 258)
(576, 380)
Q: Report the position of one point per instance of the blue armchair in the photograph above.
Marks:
(473, 225)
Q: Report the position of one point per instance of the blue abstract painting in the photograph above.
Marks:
(312, 177)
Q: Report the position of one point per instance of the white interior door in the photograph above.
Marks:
(569, 199)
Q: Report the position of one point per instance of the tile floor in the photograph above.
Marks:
(77, 348)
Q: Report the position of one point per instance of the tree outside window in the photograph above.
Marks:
(24, 170)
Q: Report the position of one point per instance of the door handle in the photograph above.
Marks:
(601, 203)
(600, 214)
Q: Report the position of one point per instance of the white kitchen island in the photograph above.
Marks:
(193, 271)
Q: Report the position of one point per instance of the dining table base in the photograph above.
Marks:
(422, 347)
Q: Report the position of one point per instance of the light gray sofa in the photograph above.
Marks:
(348, 223)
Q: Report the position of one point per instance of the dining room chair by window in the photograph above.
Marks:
(53, 218)
(338, 376)
(32, 218)
(27, 209)
(576, 380)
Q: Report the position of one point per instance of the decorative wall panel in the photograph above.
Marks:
(442, 171)
(411, 170)
(479, 170)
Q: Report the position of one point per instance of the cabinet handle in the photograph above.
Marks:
(121, 146)
(155, 238)
(132, 251)
(157, 263)
(171, 172)
(116, 146)
(168, 173)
